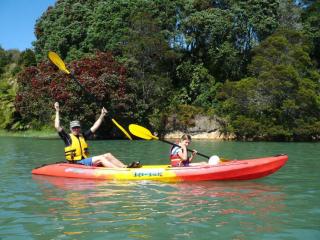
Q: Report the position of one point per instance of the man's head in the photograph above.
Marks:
(75, 127)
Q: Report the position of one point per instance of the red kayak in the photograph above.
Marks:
(227, 170)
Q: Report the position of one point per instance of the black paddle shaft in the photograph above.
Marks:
(92, 96)
(85, 90)
(189, 150)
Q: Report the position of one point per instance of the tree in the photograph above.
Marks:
(150, 61)
(197, 86)
(4, 59)
(311, 22)
(222, 33)
(281, 100)
(64, 28)
(41, 86)
(27, 58)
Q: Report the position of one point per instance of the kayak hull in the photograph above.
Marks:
(230, 170)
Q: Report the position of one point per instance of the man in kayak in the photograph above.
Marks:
(76, 150)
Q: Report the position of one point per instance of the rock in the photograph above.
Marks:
(200, 127)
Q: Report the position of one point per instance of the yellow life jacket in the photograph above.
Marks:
(77, 150)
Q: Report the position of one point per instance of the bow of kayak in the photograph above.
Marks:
(230, 170)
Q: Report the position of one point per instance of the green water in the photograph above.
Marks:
(284, 205)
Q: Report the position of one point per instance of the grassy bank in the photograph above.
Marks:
(29, 133)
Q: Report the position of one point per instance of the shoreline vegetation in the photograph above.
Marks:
(53, 134)
(171, 136)
(29, 134)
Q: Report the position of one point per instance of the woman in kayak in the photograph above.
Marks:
(179, 153)
(76, 150)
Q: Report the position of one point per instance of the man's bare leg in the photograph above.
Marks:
(114, 160)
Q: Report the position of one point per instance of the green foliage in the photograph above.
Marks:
(9, 66)
(7, 109)
(222, 34)
(150, 62)
(283, 93)
(178, 117)
(197, 86)
(3, 60)
(27, 58)
(74, 28)
(311, 22)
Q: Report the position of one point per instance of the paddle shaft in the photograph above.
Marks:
(87, 92)
(189, 150)
(101, 104)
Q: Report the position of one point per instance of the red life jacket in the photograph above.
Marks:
(176, 160)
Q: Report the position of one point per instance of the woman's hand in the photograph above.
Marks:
(193, 154)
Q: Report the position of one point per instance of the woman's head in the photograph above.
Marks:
(185, 139)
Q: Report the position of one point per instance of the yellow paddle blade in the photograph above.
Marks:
(121, 128)
(141, 132)
(56, 60)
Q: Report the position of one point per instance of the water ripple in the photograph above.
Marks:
(282, 206)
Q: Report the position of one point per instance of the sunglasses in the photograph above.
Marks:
(74, 128)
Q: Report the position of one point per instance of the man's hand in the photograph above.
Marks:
(56, 106)
(103, 112)
(57, 118)
(97, 124)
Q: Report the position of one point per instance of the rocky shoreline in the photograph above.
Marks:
(200, 127)
(199, 135)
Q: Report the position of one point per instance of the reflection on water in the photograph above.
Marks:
(212, 205)
(226, 202)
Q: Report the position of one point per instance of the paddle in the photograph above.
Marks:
(144, 133)
(56, 60)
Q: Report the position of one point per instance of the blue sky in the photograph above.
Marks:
(17, 20)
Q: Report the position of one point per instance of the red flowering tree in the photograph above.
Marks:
(104, 84)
